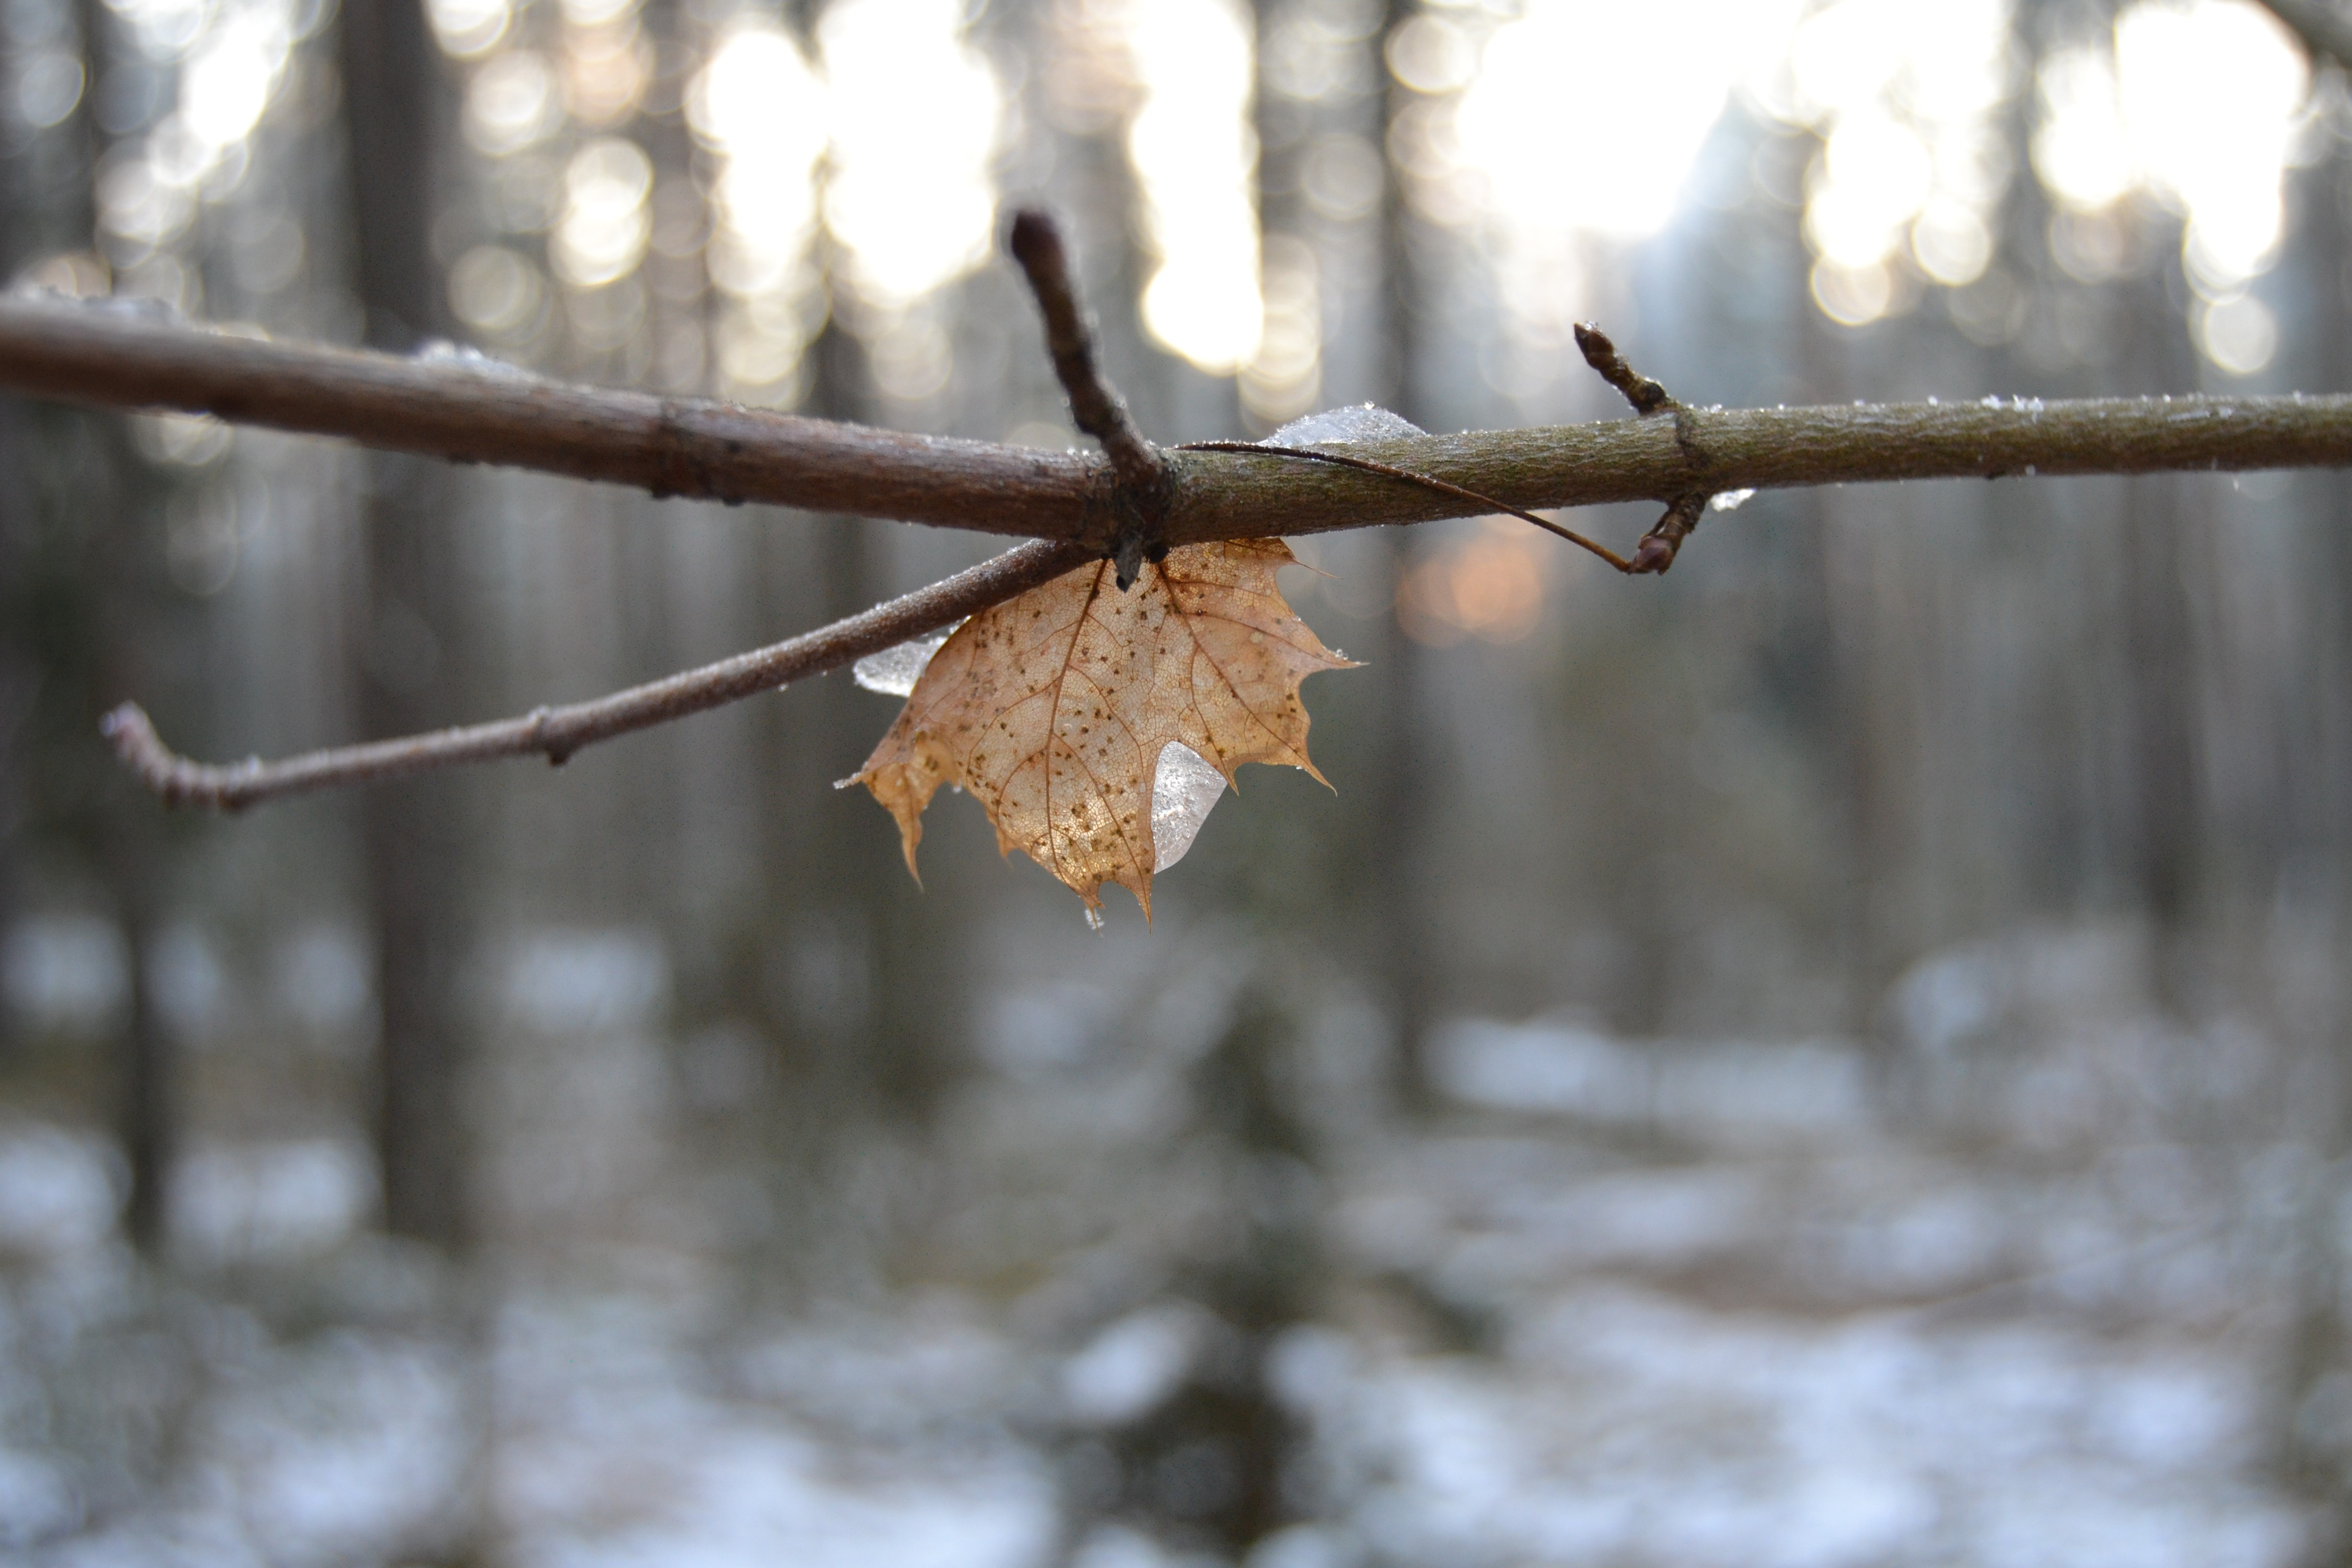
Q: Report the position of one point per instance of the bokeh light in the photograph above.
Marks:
(761, 111)
(1489, 585)
(2211, 92)
(913, 115)
(495, 291)
(2081, 150)
(1913, 164)
(1195, 164)
(602, 235)
(512, 102)
(2200, 104)
(606, 61)
(468, 29)
(231, 63)
(1579, 121)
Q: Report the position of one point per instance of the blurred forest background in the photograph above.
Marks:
(1838, 1056)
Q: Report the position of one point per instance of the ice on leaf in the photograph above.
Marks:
(1336, 426)
(893, 670)
(1056, 709)
(1184, 788)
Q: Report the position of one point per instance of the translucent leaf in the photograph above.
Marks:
(1184, 788)
(893, 670)
(1055, 710)
(1335, 426)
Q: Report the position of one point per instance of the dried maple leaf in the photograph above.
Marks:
(1051, 709)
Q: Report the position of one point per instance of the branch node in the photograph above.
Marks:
(1654, 555)
(1646, 396)
(537, 725)
(1140, 478)
(674, 471)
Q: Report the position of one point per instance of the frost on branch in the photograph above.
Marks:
(1338, 426)
(1056, 710)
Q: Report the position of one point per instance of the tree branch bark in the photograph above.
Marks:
(470, 412)
(1133, 505)
(556, 733)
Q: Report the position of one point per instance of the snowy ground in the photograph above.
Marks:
(1721, 1309)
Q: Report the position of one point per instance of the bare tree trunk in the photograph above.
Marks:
(2163, 546)
(130, 840)
(408, 637)
(854, 964)
(1408, 774)
(19, 665)
(2312, 1440)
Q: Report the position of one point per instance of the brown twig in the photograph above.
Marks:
(471, 410)
(1139, 490)
(1460, 492)
(558, 731)
(1654, 555)
(1646, 396)
(1094, 405)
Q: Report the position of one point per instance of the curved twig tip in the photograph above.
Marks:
(1646, 396)
(174, 778)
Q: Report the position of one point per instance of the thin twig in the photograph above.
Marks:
(1646, 396)
(1460, 492)
(1654, 555)
(1138, 496)
(2324, 29)
(1095, 405)
(558, 731)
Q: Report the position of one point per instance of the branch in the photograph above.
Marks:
(2324, 30)
(462, 410)
(1140, 477)
(557, 733)
(1134, 503)
(1222, 495)
(1096, 407)
(473, 410)
(1646, 396)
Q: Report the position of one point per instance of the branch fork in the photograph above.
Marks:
(1655, 553)
(1141, 483)
(1130, 504)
